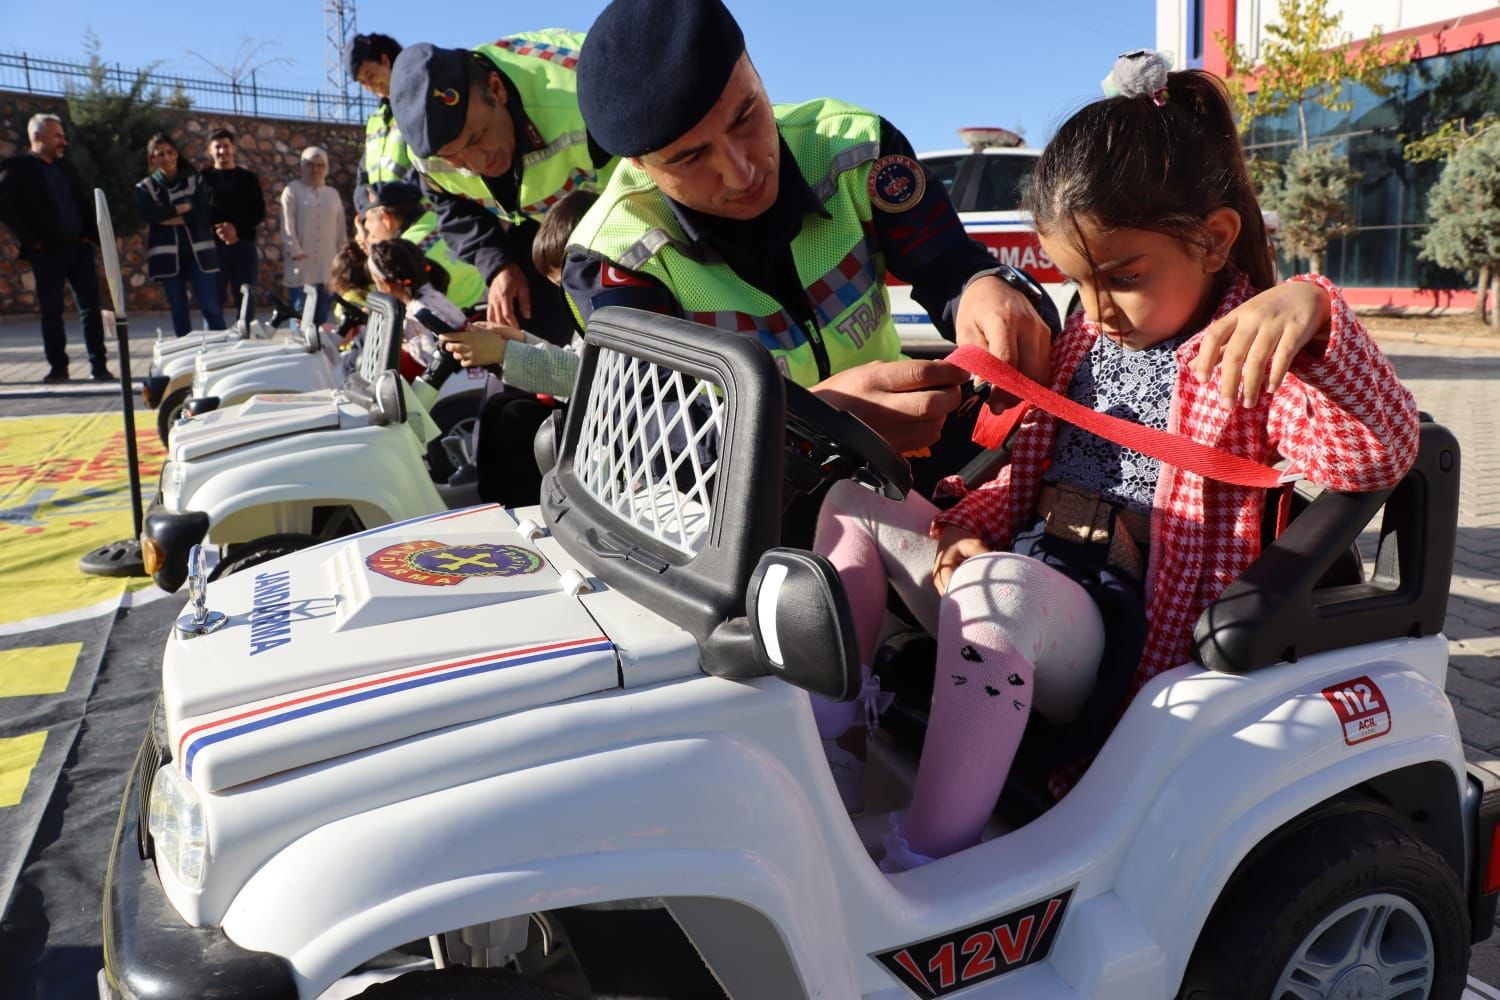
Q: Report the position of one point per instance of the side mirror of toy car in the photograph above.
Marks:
(800, 623)
(389, 404)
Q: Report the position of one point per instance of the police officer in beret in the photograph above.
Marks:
(498, 138)
(780, 221)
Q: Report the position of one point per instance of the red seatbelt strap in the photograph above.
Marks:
(992, 429)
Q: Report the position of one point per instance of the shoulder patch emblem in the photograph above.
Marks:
(896, 183)
(611, 276)
(433, 564)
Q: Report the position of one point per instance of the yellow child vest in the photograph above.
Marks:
(541, 66)
(838, 262)
(465, 283)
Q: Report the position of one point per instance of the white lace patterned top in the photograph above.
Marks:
(1133, 385)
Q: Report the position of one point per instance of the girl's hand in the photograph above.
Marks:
(1267, 332)
(955, 545)
(182, 208)
(476, 347)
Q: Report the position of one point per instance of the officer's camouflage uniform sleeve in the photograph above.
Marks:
(592, 282)
(925, 244)
(474, 234)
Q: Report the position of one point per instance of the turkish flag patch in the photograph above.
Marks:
(611, 276)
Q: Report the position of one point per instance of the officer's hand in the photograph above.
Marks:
(1000, 319)
(904, 402)
(227, 233)
(510, 296)
(475, 347)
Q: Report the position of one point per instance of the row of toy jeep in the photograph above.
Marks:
(284, 470)
(568, 751)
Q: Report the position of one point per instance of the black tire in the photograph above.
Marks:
(168, 411)
(260, 550)
(460, 983)
(1277, 900)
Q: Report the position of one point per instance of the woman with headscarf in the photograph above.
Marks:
(312, 223)
(174, 201)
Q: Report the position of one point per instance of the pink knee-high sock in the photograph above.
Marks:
(1014, 635)
(873, 543)
(980, 703)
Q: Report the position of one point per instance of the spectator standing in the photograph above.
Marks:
(239, 207)
(46, 206)
(312, 223)
(180, 247)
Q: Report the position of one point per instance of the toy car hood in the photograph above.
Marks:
(260, 418)
(375, 638)
(243, 352)
(187, 344)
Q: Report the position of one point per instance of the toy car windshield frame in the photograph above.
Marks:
(630, 471)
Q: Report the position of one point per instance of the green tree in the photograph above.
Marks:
(1303, 58)
(1464, 207)
(108, 130)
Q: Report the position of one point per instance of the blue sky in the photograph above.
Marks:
(928, 67)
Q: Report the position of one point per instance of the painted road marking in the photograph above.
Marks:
(33, 670)
(18, 755)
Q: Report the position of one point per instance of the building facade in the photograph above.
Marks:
(1455, 72)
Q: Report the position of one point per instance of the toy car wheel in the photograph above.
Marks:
(1349, 906)
(259, 551)
(459, 984)
(168, 412)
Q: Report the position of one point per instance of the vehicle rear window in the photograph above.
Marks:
(946, 168)
(1000, 184)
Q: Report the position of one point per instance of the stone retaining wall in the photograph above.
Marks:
(270, 147)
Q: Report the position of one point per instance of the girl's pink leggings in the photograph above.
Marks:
(1013, 634)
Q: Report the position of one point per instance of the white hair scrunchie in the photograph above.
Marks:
(1141, 73)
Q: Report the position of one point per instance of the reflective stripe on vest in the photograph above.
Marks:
(386, 158)
(540, 65)
(837, 259)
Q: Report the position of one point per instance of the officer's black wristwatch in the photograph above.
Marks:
(1027, 286)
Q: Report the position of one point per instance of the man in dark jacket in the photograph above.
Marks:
(239, 209)
(45, 205)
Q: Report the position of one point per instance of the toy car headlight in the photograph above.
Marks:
(175, 819)
(172, 476)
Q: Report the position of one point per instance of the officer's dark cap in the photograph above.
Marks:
(394, 194)
(651, 69)
(430, 95)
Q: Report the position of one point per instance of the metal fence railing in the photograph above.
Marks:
(27, 74)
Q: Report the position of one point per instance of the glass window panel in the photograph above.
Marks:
(945, 167)
(1417, 273)
(1000, 184)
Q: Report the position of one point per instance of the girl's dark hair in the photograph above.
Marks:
(1127, 163)
(404, 264)
(184, 166)
(369, 48)
(350, 271)
(550, 244)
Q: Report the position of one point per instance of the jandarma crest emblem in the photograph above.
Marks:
(434, 564)
(896, 183)
(447, 95)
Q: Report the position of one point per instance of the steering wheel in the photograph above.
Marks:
(824, 443)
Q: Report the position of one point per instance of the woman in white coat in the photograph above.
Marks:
(312, 223)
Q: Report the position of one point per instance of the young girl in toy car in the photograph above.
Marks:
(1142, 199)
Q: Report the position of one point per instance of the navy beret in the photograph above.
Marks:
(651, 69)
(393, 193)
(430, 95)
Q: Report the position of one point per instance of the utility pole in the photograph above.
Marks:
(338, 32)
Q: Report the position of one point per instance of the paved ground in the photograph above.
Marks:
(1458, 385)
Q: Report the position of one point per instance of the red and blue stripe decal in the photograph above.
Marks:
(306, 705)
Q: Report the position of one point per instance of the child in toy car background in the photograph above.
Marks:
(1082, 567)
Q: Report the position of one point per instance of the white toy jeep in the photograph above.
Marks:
(282, 471)
(516, 738)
